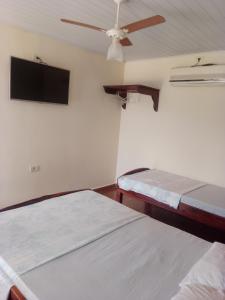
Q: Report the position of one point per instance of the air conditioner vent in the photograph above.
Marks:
(210, 75)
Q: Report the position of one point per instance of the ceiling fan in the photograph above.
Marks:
(119, 34)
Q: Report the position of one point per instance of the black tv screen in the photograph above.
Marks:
(38, 82)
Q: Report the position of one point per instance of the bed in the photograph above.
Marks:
(190, 198)
(85, 246)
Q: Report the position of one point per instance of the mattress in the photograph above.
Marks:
(162, 186)
(142, 260)
(209, 198)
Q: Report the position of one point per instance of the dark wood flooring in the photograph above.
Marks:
(172, 219)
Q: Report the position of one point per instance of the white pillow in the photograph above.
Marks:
(198, 292)
(209, 270)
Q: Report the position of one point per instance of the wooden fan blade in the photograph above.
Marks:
(155, 20)
(125, 42)
(83, 25)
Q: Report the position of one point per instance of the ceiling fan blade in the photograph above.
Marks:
(155, 20)
(83, 25)
(125, 42)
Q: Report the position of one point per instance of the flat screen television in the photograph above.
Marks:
(38, 82)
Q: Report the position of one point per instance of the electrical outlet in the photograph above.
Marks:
(34, 169)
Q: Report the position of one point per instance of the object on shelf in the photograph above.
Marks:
(123, 90)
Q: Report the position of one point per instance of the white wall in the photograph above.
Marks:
(75, 145)
(187, 135)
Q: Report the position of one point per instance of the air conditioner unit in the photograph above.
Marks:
(204, 75)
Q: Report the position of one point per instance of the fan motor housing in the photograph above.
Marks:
(120, 1)
(116, 33)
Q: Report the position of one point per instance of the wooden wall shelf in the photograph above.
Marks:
(123, 90)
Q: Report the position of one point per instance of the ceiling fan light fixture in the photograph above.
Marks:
(115, 51)
(118, 34)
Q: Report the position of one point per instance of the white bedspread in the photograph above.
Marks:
(160, 185)
(209, 270)
(210, 198)
(8, 278)
(206, 279)
(144, 260)
(36, 234)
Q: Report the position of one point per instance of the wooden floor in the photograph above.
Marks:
(167, 217)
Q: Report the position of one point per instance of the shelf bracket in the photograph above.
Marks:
(123, 90)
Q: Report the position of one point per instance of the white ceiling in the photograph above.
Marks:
(191, 25)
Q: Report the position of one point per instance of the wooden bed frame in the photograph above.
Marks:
(184, 210)
(15, 294)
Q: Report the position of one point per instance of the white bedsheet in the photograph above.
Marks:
(206, 279)
(199, 292)
(8, 278)
(36, 234)
(144, 260)
(209, 270)
(210, 198)
(165, 187)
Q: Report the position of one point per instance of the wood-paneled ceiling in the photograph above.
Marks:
(191, 25)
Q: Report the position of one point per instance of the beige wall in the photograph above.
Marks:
(75, 145)
(186, 135)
